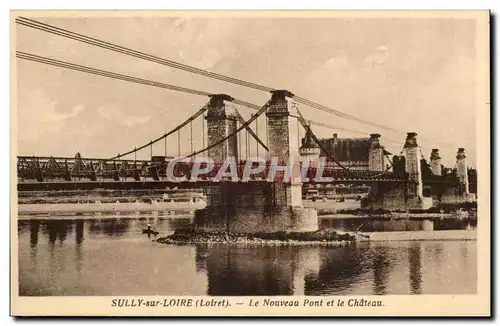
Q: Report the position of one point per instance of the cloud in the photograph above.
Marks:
(378, 57)
(41, 111)
(71, 114)
(394, 72)
(179, 24)
(119, 117)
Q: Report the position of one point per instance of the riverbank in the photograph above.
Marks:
(431, 213)
(320, 237)
(108, 207)
(189, 205)
(441, 235)
(105, 196)
(402, 216)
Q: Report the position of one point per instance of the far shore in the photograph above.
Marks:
(191, 206)
(435, 235)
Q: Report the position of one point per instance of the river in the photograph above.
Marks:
(109, 255)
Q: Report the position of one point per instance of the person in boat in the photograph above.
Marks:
(150, 231)
(150, 228)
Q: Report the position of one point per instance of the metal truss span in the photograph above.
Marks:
(66, 169)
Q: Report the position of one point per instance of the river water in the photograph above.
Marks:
(104, 255)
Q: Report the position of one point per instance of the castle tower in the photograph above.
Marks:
(435, 164)
(309, 151)
(462, 173)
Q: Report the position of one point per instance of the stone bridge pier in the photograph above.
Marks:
(459, 192)
(401, 195)
(376, 157)
(221, 122)
(249, 207)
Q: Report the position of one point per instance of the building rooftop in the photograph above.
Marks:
(348, 149)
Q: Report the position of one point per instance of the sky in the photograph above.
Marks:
(410, 74)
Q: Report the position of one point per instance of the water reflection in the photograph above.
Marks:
(110, 227)
(34, 228)
(415, 263)
(202, 253)
(78, 244)
(246, 271)
(381, 271)
(84, 257)
(339, 269)
(385, 225)
(57, 230)
(79, 232)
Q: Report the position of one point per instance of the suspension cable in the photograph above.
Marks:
(305, 126)
(104, 73)
(257, 137)
(191, 132)
(243, 126)
(248, 129)
(203, 131)
(134, 53)
(179, 143)
(67, 65)
(138, 54)
(164, 136)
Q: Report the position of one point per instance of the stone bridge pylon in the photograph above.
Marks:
(249, 207)
(404, 196)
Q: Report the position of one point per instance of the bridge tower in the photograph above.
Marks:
(402, 195)
(376, 154)
(462, 174)
(413, 168)
(458, 192)
(221, 122)
(414, 187)
(261, 206)
(283, 145)
(435, 164)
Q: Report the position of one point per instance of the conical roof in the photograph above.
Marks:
(308, 140)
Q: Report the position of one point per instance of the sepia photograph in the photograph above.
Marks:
(250, 163)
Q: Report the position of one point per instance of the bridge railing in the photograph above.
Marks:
(79, 169)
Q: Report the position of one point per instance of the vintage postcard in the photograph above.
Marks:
(250, 163)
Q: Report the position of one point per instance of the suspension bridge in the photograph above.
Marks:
(273, 130)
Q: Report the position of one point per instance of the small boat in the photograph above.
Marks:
(148, 231)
